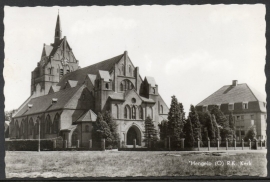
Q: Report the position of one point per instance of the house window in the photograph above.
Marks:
(154, 91)
(238, 117)
(245, 105)
(204, 108)
(161, 109)
(231, 106)
(252, 116)
(107, 86)
(242, 132)
(122, 69)
(252, 122)
(242, 116)
(61, 73)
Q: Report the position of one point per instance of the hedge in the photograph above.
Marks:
(28, 145)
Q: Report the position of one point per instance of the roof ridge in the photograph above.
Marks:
(89, 66)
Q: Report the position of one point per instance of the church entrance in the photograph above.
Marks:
(133, 133)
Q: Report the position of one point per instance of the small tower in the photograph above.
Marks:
(58, 30)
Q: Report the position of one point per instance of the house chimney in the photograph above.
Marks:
(234, 83)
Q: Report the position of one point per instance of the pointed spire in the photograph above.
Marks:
(58, 29)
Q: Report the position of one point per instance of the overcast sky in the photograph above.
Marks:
(191, 51)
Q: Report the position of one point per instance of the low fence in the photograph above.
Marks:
(57, 144)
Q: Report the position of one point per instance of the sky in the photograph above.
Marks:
(191, 51)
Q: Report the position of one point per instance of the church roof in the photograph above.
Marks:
(44, 103)
(233, 94)
(87, 116)
(80, 74)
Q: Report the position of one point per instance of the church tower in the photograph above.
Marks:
(57, 60)
(58, 30)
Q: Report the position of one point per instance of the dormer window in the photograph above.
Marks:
(107, 85)
(245, 105)
(54, 100)
(30, 106)
(231, 106)
(154, 91)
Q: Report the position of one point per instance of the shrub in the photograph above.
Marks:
(29, 145)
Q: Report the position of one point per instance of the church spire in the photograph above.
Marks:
(58, 30)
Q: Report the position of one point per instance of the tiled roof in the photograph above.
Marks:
(88, 116)
(233, 94)
(151, 81)
(80, 74)
(44, 103)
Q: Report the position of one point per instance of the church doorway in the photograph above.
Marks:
(133, 133)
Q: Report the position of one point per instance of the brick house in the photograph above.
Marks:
(65, 98)
(247, 105)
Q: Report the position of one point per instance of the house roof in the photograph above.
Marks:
(80, 74)
(151, 81)
(233, 94)
(87, 116)
(44, 103)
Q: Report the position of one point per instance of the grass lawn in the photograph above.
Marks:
(127, 163)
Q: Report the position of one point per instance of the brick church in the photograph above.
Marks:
(65, 99)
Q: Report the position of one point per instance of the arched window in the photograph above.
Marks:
(125, 112)
(68, 70)
(122, 69)
(25, 128)
(140, 112)
(107, 85)
(48, 124)
(56, 123)
(86, 128)
(154, 91)
(119, 71)
(126, 85)
(161, 109)
(61, 73)
(17, 129)
(115, 111)
(130, 70)
(133, 112)
(151, 112)
(30, 126)
(22, 128)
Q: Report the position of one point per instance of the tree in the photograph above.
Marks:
(216, 127)
(175, 124)
(194, 118)
(8, 115)
(163, 128)
(251, 134)
(101, 130)
(113, 127)
(150, 133)
(232, 124)
(222, 121)
(188, 132)
(205, 119)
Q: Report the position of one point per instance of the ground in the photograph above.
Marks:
(135, 163)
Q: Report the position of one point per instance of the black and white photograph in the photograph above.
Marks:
(135, 91)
